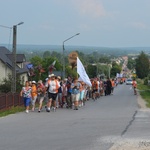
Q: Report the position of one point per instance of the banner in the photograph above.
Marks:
(81, 71)
(51, 67)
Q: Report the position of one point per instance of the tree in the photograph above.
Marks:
(142, 65)
(131, 63)
(5, 85)
(91, 71)
(104, 59)
(115, 69)
(46, 54)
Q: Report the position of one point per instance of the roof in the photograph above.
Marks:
(19, 57)
(3, 56)
(6, 57)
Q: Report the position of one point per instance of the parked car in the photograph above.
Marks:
(129, 82)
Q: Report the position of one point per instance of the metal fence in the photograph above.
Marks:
(10, 99)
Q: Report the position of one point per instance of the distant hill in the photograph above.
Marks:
(116, 51)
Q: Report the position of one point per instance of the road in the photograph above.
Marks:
(110, 123)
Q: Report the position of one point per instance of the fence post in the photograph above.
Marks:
(6, 100)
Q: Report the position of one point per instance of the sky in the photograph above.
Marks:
(101, 23)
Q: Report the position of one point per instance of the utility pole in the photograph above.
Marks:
(13, 85)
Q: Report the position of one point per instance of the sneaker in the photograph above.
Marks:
(39, 111)
(54, 109)
(48, 109)
(27, 111)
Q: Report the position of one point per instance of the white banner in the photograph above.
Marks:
(81, 71)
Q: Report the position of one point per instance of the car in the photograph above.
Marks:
(129, 82)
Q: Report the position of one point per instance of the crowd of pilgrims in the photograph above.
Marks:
(67, 93)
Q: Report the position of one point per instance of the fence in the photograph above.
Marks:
(10, 99)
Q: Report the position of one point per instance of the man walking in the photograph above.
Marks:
(52, 85)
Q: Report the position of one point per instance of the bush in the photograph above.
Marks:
(146, 80)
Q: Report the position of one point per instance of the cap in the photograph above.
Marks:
(33, 82)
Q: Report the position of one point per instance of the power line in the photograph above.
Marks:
(5, 27)
(9, 40)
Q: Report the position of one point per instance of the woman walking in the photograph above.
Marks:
(41, 94)
(75, 86)
(33, 94)
(26, 93)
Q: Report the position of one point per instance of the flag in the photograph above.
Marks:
(29, 66)
(81, 71)
(51, 67)
(31, 69)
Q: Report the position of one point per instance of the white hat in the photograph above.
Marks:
(34, 82)
(59, 77)
(51, 75)
(40, 81)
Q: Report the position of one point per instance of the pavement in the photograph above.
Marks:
(115, 122)
(137, 136)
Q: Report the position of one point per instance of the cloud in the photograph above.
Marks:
(138, 25)
(93, 8)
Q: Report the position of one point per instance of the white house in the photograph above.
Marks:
(6, 58)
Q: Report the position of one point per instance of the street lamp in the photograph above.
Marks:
(64, 53)
(13, 85)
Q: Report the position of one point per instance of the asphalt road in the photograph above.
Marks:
(107, 123)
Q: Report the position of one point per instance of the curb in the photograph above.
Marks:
(141, 102)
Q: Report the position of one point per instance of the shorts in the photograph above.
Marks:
(75, 97)
(40, 98)
(26, 101)
(52, 96)
(81, 95)
(60, 96)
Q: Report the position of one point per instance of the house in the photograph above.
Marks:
(6, 59)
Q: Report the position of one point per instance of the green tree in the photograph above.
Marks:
(131, 63)
(142, 65)
(91, 70)
(5, 85)
(46, 54)
(104, 59)
(115, 69)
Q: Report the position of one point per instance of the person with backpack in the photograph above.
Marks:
(75, 86)
(41, 94)
(52, 85)
(69, 91)
(64, 92)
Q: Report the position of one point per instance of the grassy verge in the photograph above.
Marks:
(144, 91)
(11, 110)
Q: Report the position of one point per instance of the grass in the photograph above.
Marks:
(144, 92)
(11, 110)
